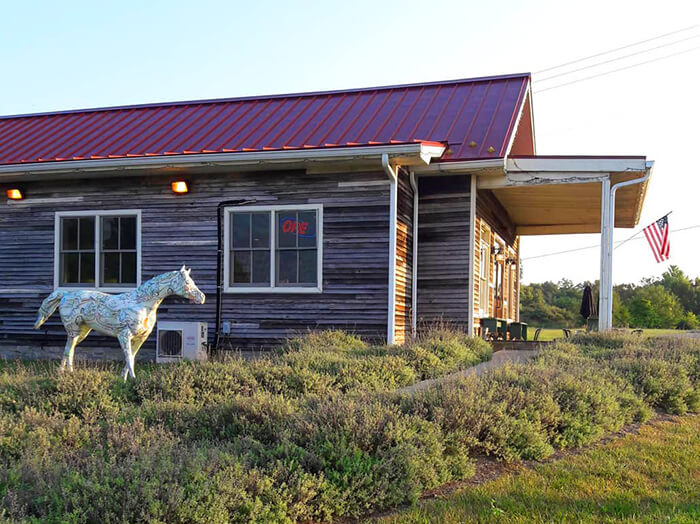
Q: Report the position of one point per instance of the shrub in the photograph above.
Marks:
(325, 340)
(314, 432)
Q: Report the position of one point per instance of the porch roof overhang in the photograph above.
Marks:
(549, 195)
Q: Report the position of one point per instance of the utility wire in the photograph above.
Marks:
(616, 59)
(618, 69)
(617, 49)
(618, 244)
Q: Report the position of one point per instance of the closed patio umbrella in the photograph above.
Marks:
(587, 303)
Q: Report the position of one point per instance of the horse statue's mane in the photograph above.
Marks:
(150, 289)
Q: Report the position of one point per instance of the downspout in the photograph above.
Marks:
(414, 272)
(392, 173)
(608, 262)
(472, 253)
(220, 263)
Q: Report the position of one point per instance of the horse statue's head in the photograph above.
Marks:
(185, 287)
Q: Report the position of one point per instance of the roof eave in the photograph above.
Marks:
(414, 154)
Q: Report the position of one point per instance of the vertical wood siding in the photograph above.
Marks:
(404, 258)
(443, 249)
(181, 229)
(494, 225)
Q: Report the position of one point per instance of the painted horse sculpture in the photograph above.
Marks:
(130, 317)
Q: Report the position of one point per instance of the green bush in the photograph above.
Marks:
(313, 432)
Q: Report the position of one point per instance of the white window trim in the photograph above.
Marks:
(228, 288)
(97, 214)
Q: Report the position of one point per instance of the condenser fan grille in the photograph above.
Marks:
(170, 343)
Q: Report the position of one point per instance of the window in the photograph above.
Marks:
(78, 250)
(484, 260)
(250, 254)
(273, 249)
(97, 249)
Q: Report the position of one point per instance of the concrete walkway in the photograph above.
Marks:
(498, 359)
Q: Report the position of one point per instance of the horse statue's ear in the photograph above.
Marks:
(182, 269)
(187, 271)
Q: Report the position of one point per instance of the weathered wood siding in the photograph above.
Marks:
(404, 259)
(443, 249)
(494, 226)
(179, 229)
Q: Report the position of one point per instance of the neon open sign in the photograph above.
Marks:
(295, 226)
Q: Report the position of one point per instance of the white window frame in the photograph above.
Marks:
(272, 288)
(98, 214)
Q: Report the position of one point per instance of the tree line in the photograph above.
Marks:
(670, 301)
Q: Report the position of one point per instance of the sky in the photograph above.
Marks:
(67, 55)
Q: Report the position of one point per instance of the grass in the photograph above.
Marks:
(652, 476)
(548, 334)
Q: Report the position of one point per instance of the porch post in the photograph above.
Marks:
(604, 322)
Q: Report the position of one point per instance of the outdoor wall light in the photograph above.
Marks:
(180, 187)
(15, 194)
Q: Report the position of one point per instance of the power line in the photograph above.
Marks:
(616, 59)
(618, 69)
(618, 244)
(617, 49)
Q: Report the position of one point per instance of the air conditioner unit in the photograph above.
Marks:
(176, 341)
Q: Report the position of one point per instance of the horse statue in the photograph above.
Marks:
(130, 317)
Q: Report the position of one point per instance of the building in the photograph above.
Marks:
(368, 210)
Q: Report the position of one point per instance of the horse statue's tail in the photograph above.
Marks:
(48, 306)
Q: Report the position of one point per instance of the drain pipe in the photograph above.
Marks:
(414, 272)
(607, 255)
(392, 173)
(220, 262)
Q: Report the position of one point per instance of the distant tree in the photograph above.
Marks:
(654, 307)
(621, 313)
(689, 321)
(551, 304)
(687, 291)
(673, 300)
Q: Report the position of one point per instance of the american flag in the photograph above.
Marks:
(657, 236)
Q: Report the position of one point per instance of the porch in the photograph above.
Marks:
(544, 195)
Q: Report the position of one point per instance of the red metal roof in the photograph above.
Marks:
(474, 117)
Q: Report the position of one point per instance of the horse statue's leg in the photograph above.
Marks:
(125, 342)
(67, 360)
(136, 344)
(75, 336)
(84, 332)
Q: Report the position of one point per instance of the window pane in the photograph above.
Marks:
(241, 229)
(307, 228)
(241, 267)
(87, 268)
(307, 266)
(110, 268)
(287, 267)
(127, 233)
(261, 230)
(87, 234)
(128, 268)
(69, 269)
(69, 233)
(287, 229)
(261, 267)
(110, 232)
